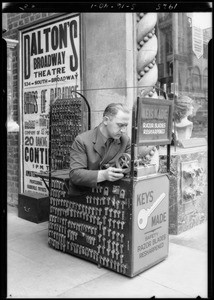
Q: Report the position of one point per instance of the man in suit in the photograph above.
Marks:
(94, 152)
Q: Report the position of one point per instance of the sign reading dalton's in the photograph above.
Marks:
(155, 118)
(50, 69)
(50, 51)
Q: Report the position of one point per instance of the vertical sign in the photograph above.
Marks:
(151, 222)
(197, 41)
(154, 121)
(50, 70)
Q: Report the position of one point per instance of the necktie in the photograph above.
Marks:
(107, 148)
(108, 143)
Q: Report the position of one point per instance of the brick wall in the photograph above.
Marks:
(12, 168)
(14, 22)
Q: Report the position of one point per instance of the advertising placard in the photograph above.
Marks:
(154, 122)
(50, 69)
(151, 220)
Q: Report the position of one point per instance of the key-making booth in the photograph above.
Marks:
(121, 225)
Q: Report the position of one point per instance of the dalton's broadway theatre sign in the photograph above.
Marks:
(50, 69)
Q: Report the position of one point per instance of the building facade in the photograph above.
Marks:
(102, 74)
(183, 62)
(112, 58)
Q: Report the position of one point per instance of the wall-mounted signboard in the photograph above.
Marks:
(50, 68)
(154, 122)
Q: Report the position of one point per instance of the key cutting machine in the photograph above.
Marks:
(121, 225)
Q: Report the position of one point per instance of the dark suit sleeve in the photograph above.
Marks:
(79, 174)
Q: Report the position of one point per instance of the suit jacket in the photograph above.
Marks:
(86, 158)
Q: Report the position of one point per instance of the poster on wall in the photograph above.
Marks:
(50, 70)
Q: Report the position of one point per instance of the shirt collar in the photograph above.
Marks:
(100, 136)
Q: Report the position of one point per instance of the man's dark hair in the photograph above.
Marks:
(113, 108)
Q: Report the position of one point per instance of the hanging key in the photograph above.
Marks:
(100, 225)
(122, 204)
(106, 211)
(115, 213)
(107, 262)
(104, 261)
(104, 230)
(121, 258)
(94, 220)
(113, 222)
(117, 236)
(104, 220)
(100, 211)
(92, 210)
(109, 244)
(104, 241)
(98, 220)
(118, 213)
(94, 200)
(108, 200)
(117, 204)
(118, 267)
(113, 201)
(103, 200)
(113, 235)
(115, 264)
(108, 250)
(113, 244)
(109, 222)
(122, 224)
(99, 237)
(118, 224)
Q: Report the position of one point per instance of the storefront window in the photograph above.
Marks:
(183, 56)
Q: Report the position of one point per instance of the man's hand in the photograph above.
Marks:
(113, 174)
(110, 174)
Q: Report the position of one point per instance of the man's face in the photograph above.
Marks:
(116, 126)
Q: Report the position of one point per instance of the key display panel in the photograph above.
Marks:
(94, 226)
(68, 118)
(104, 226)
(121, 225)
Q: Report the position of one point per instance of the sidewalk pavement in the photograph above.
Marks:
(34, 270)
